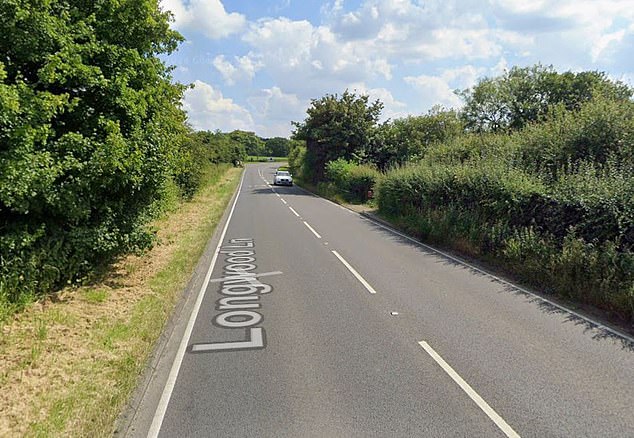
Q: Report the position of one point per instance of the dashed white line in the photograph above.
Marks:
(293, 210)
(276, 194)
(312, 229)
(355, 273)
(284, 201)
(499, 421)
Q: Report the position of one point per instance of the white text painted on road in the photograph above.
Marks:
(241, 290)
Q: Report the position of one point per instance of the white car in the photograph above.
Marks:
(283, 177)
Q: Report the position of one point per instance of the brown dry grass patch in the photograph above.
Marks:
(69, 362)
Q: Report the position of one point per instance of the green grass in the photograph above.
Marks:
(265, 158)
(117, 342)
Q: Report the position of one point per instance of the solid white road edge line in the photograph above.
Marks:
(499, 421)
(157, 421)
(355, 273)
(293, 210)
(591, 321)
(312, 229)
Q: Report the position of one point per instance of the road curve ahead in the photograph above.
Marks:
(314, 321)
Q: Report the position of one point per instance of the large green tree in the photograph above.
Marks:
(337, 127)
(524, 95)
(277, 146)
(89, 119)
(253, 144)
(403, 140)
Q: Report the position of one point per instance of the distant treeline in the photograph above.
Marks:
(93, 140)
(535, 173)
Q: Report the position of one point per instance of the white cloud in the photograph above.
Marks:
(206, 16)
(603, 44)
(244, 68)
(392, 108)
(310, 60)
(274, 109)
(226, 69)
(434, 90)
(207, 109)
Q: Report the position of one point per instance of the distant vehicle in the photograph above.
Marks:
(283, 177)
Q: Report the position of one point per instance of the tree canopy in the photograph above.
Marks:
(89, 123)
(524, 95)
(337, 127)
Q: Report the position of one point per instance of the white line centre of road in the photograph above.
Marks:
(312, 229)
(355, 273)
(293, 210)
(499, 421)
(284, 201)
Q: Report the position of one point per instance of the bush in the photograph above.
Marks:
(573, 236)
(90, 123)
(354, 181)
(600, 131)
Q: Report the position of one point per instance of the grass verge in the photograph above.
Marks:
(265, 158)
(69, 363)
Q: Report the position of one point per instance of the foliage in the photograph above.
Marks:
(524, 95)
(89, 128)
(600, 131)
(352, 180)
(252, 144)
(337, 127)
(408, 139)
(297, 159)
(554, 201)
(277, 146)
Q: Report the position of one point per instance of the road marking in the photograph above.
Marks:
(264, 274)
(294, 212)
(499, 421)
(159, 414)
(590, 321)
(276, 194)
(355, 273)
(284, 201)
(312, 229)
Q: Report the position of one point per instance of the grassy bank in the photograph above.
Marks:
(69, 363)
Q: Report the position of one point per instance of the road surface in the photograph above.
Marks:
(315, 321)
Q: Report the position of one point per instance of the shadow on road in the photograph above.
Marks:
(545, 302)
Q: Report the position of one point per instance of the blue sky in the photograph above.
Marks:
(256, 65)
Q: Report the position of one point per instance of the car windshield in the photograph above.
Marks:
(282, 173)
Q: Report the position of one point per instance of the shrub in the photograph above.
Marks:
(354, 181)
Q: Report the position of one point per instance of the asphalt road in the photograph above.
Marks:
(316, 321)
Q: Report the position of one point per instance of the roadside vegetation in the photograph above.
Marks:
(69, 363)
(94, 144)
(535, 174)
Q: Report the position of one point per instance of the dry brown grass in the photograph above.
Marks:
(68, 363)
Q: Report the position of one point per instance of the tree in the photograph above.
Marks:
(252, 143)
(407, 139)
(277, 146)
(89, 123)
(524, 95)
(337, 127)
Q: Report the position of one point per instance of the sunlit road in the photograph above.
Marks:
(316, 321)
